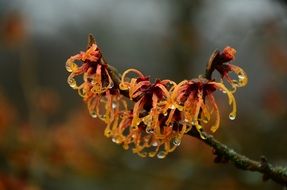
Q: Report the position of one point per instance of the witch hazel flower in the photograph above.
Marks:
(151, 99)
(161, 112)
(92, 67)
(96, 88)
(220, 61)
(196, 100)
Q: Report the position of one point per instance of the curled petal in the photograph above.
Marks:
(231, 99)
(217, 115)
(242, 76)
(126, 85)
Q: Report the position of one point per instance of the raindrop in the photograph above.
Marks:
(149, 130)
(72, 82)
(154, 143)
(115, 140)
(68, 67)
(241, 76)
(161, 154)
(94, 114)
(111, 85)
(231, 116)
(172, 107)
(176, 141)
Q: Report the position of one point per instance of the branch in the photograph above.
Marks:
(223, 153)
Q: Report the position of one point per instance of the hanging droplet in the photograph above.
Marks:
(161, 154)
(165, 114)
(172, 107)
(72, 82)
(111, 85)
(241, 76)
(232, 116)
(154, 143)
(176, 141)
(68, 67)
(93, 114)
(115, 140)
(149, 130)
(114, 105)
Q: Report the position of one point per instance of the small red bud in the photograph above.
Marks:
(228, 53)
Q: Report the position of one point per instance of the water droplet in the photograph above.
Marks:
(165, 114)
(186, 120)
(149, 130)
(68, 67)
(232, 116)
(93, 114)
(172, 107)
(161, 154)
(111, 85)
(115, 140)
(114, 105)
(72, 82)
(241, 76)
(176, 141)
(154, 143)
(223, 91)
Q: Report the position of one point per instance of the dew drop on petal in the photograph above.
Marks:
(93, 114)
(172, 107)
(161, 154)
(115, 140)
(111, 85)
(114, 105)
(68, 67)
(232, 116)
(72, 82)
(149, 130)
(240, 76)
(176, 141)
(154, 143)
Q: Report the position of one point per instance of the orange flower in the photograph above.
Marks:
(221, 64)
(96, 78)
(195, 99)
(151, 99)
(97, 86)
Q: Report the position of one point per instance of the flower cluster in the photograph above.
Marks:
(97, 87)
(162, 111)
(221, 62)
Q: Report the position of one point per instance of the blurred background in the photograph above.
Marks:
(49, 141)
